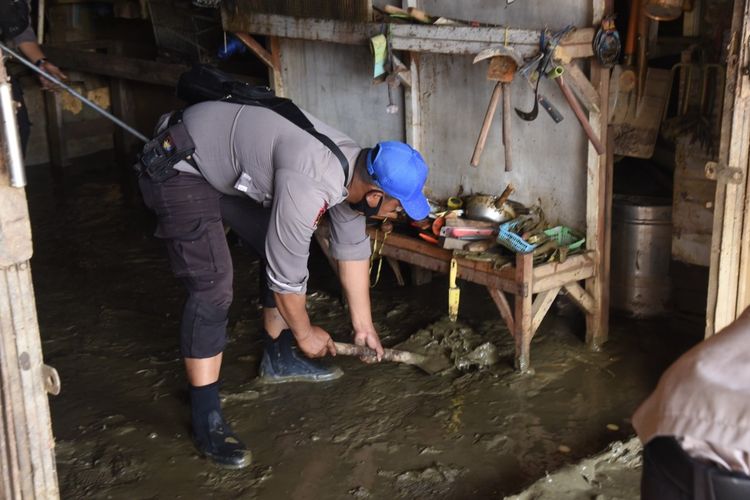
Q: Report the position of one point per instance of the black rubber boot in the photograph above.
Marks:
(212, 436)
(283, 362)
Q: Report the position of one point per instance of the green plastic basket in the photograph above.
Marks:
(566, 237)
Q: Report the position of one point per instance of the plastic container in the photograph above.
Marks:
(566, 237)
(510, 240)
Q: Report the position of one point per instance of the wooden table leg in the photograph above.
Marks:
(523, 328)
(498, 296)
(396, 270)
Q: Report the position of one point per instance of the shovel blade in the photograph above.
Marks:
(636, 121)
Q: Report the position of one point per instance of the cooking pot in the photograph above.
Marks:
(485, 207)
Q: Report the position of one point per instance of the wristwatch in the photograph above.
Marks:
(39, 62)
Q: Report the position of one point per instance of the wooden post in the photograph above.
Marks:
(523, 305)
(598, 198)
(725, 271)
(27, 459)
(412, 97)
(126, 145)
(55, 136)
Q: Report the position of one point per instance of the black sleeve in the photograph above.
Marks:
(14, 17)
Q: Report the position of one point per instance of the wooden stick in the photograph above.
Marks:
(482, 140)
(407, 357)
(506, 127)
(573, 103)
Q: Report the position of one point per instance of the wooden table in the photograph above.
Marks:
(534, 288)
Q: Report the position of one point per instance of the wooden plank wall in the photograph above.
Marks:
(345, 10)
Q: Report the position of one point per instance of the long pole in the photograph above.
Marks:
(75, 94)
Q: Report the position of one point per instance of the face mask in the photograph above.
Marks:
(362, 206)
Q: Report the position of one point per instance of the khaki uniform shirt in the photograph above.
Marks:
(703, 400)
(253, 151)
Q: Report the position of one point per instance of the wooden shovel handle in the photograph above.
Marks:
(578, 110)
(632, 32)
(506, 127)
(388, 354)
(482, 140)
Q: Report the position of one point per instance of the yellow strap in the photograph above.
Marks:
(377, 253)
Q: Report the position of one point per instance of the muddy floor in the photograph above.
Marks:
(109, 312)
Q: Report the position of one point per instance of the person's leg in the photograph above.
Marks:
(189, 222)
(282, 361)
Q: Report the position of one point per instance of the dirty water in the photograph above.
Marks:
(109, 311)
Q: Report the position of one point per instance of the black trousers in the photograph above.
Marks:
(190, 214)
(671, 474)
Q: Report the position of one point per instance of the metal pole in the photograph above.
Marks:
(10, 127)
(75, 94)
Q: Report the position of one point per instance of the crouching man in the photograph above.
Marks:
(271, 181)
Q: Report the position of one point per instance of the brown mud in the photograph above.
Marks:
(109, 311)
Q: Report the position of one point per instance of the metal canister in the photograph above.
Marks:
(664, 10)
(641, 255)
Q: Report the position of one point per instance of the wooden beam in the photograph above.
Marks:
(557, 274)
(730, 89)
(402, 72)
(724, 292)
(413, 99)
(257, 49)
(597, 198)
(501, 301)
(541, 305)
(116, 66)
(578, 295)
(410, 37)
(277, 79)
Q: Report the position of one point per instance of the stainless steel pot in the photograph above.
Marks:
(484, 207)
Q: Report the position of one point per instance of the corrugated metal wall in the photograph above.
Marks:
(333, 82)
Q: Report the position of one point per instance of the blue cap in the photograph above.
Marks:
(401, 171)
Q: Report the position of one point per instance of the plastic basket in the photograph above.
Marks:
(566, 237)
(510, 240)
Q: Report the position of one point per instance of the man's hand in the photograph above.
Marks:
(315, 343)
(53, 70)
(370, 338)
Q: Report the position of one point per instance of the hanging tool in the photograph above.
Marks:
(430, 364)
(75, 94)
(454, 293)
(556, 75)
(530, 75)
(607, 43)
(504, 62)
(547, 45)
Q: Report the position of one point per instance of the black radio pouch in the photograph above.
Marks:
(162, 153)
